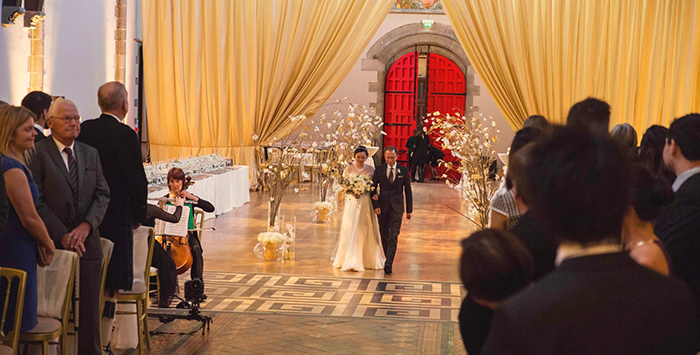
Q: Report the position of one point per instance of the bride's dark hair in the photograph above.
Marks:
(361, 149)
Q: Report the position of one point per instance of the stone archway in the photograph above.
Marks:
(439, 39)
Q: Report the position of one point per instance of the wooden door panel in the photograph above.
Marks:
(399, 104)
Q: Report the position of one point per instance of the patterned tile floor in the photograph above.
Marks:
(332, 296)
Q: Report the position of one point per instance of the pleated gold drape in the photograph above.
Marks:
(542, 56)
(218, 72)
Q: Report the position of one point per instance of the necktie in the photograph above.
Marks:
(72, 172)
(391, 175)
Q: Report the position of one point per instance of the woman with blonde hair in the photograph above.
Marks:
(25, 234)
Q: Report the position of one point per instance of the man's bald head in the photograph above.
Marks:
(112, 98)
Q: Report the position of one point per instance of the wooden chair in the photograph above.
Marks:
(138, 295)
(10, 339)
(54, 303)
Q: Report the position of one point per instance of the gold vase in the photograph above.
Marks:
(322, 215)
(271, 251)
(341, 195)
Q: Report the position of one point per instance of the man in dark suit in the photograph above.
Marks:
(597, 300)
(678, 227)
(393, 182)
(38, 102)
(73, 200)
(120, 154)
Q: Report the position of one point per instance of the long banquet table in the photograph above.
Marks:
(226, 188)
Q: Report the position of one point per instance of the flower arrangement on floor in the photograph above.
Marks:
(272, 243)
(357, 185)
(471, 140)
(322, 211)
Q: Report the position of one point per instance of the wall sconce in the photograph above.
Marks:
(10, 14)
(32, 18)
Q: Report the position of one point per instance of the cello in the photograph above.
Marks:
(178, 247)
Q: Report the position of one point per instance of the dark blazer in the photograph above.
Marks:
(539, 241)
(678, 227)
(392, 195)
(598, 304)
(57, 206)
(120, 153)
(39, 135)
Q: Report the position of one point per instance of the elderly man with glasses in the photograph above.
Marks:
(73, 200)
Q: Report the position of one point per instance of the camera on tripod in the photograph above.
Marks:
(194, 291)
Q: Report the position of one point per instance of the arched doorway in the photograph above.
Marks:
(416, 84)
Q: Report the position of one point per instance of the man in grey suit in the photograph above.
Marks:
(73, 200)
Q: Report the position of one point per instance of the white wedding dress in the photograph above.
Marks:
(359, 243)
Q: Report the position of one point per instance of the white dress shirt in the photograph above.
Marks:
(41, 129)
(683, 177)
(63, 154)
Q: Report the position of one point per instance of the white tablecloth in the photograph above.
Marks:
(225, 189)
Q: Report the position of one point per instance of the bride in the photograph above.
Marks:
(359, 243)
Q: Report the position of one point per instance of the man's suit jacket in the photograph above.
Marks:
(597, 304)
(392, 194)
(57, 205)
(120, 154)
(39, 135)
(678, 227)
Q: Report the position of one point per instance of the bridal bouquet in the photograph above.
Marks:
(358, 185)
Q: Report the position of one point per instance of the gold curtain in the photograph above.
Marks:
(218, 72)
(542, 56)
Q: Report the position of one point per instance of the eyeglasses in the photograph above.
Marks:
(67, 119)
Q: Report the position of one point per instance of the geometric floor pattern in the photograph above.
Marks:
(332, 296)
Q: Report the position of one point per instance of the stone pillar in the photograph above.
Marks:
(120, 42)
(35, 65)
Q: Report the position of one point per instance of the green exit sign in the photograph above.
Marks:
(428, 23)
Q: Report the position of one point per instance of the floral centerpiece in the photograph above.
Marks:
(357, 185)
(271, 242)
(156, 173)
(471, 140)
(322, 210)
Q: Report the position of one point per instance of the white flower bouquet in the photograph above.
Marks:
(323, 206)
(358, 185)
(271, 238)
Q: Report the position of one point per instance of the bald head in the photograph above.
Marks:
(113, 98)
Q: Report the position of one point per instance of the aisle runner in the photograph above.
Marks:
(332, 296)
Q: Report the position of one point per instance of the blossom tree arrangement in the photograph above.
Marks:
(471, 141)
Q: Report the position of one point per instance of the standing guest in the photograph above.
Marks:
(538, 121)
(651, 152)
(24, 228)
(590, 114)
(494, 266)
(411, 143)
(435, 156)
(503, 212)
(534, 234)
(598, 300)
(419, 153)
(120, 155)
(38, 102)
(625, 134)
(679, 224)
(649, 195)
(73, 200)
(178, 183)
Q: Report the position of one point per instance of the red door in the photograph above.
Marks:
(399, 104)
(447, 92)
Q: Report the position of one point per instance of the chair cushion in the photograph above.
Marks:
(5, 350)
(137, 288)
(45, 325)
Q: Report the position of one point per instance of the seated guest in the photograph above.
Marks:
(24, 231)
(38, 102)
(535, 235)
(591, 115)
(650, 153)
(598, 300)
(538, 121)
(649, 196)
(678, 227)
(73, 201)
(494, 266)
(178, 184)
(503, 213)
(625, 134)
